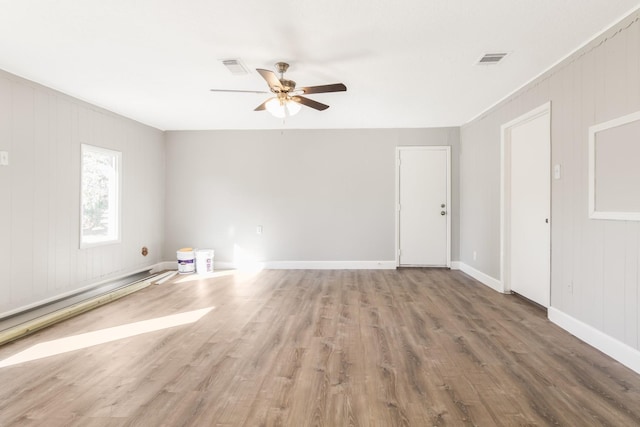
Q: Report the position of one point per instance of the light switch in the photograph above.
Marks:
(556, 172)
(4, 158)
(259, 229)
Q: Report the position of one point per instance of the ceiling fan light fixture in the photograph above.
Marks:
(288, 101)
(282, 107)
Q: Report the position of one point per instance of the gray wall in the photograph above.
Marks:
(320, 195)
(594, 262)
(39, 212)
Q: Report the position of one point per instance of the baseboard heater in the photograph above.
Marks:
(26, 322)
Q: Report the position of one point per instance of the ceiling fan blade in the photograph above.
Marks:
(262, 106)
(240, 91)
(336, 87)
(271, 78)
(310, 103)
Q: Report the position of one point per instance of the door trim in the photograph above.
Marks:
(505, 177)
(447, 149)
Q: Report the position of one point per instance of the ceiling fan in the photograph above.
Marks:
(288, 100)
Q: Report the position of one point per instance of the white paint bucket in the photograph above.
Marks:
(204, 261)
(186, 262)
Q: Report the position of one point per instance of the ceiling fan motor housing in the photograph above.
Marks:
(287, 86)
(282, 67)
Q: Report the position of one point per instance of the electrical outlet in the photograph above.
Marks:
(475, 255)
(259, 229)
(4, 158)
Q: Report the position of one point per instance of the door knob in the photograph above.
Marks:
(442, 212)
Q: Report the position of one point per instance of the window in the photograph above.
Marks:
(613, 169)
(100, 197)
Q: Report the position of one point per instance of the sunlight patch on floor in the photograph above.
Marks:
(192, 277)
(77, 342)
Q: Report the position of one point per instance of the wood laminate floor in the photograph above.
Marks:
(414, 347)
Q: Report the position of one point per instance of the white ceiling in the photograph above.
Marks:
(407, 63)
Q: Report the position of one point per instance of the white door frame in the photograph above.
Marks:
(505, 177)
(448, 208)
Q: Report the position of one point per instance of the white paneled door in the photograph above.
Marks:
(529, 207)
(423, 221)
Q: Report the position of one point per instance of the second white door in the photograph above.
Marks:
(530, 195)
(423, 206)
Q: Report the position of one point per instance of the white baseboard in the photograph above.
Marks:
(297, 265)
(223, 265)
(330, 265)
(173, 265)
(623, 353)
(168, 265)
(483, 278)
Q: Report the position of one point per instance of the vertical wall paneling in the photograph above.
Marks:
(585, 291)
(564, 208)
(595, 263)
(41, 190)
(559, 112)
(82, 128)
(572, 179)
(633, 68)
(64, 172)
(40, 221)
(52, 200)
(614, 104)
(614, 248)
(616, 76)
(22, 187)
(74, 194)
(5, 186)
(632, 261)
(631, 290)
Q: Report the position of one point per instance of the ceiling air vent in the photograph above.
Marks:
(491, 58)
(235, 66)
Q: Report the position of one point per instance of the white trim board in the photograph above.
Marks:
(623, 353)
(481, 277)
(217, 265)
(301, 265)
(593, 130)
(330, 265)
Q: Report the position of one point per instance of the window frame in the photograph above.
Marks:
(594, 213)
(113, 237)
